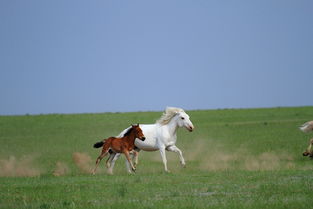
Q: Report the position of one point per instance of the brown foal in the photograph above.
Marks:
(124, 145)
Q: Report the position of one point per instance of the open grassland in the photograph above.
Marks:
(244, 158)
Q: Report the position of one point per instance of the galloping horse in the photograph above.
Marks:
(159, 136)
(123, 144)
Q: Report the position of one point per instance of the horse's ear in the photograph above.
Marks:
(137, 124)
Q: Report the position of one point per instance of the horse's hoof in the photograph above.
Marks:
(305, 154)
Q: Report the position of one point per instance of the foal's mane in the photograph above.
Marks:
(169, 113)
(128, 131)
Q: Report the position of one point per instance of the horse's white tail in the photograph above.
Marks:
(307, 127)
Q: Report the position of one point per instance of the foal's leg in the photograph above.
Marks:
(128, 165)
(126, 153)
(135, 157)
(180, 154)
(112, 162)
(103, 154)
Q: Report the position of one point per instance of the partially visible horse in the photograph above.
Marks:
(123, 144)
(307, 127)
(159, 136)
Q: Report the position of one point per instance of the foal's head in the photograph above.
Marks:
(138, 132)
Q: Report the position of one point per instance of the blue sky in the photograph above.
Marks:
(115, 56)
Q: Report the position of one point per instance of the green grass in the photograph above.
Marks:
(236, 158)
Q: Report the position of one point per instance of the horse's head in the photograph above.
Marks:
(183, 120)
(138, 132)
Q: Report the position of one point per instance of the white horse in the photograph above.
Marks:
(159, 136)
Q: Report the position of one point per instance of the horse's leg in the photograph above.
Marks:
(180, 154)
(102, 155)
(112, 162)
(163, 155)
(109, 160)
(126, 153)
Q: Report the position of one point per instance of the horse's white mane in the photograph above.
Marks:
(169, 113)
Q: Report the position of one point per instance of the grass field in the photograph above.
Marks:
(236, 158)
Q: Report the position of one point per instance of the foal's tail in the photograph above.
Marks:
(98, 144)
